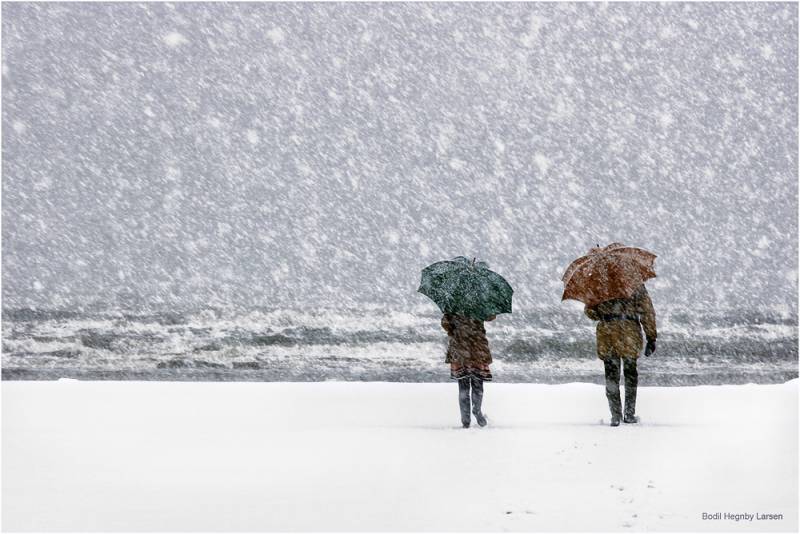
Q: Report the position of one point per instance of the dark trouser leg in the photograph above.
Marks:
(463, 400)
(477, 394)
(612, 386)
(477, 400)
(631, 382)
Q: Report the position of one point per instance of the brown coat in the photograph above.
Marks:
(619, 331)
(467, 343)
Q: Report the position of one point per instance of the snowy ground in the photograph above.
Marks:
(88, 456)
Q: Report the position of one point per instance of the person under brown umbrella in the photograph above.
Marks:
(469, 358)
(610, 282)
(619, 339)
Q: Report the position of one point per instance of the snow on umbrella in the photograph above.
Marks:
(463, 287)
(607, 273)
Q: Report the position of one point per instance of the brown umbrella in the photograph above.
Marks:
(607, 273)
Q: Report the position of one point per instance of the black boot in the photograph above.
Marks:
(631, 383)
(612, 389)
(477, 400)
(463, 401)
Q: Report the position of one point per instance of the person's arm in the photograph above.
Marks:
(447, 324)
(647, 316)
(591, 313)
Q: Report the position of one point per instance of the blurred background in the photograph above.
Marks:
(189, 162)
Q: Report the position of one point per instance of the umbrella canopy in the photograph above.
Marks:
(464, 287)
(607, 273)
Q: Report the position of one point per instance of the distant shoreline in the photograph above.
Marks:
(553, 346)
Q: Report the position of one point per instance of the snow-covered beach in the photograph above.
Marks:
(145, 456)
(218, 227)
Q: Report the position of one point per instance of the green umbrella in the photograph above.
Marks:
(463, 287)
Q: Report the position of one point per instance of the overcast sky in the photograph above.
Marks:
(322, 154)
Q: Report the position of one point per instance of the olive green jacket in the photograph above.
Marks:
(621, 321)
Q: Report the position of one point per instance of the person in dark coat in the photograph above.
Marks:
(619, 342)
(469, 358)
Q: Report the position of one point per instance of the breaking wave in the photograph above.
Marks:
(374, 343)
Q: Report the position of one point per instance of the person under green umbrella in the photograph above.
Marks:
(468, 294)
(469, 357)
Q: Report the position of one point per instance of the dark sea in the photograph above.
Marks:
(548, 345)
